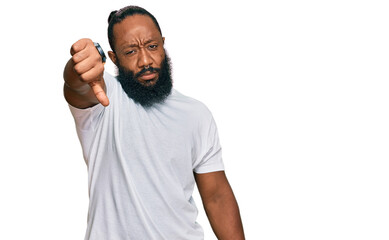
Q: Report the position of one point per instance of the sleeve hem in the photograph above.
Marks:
(81, 111)
(210, 168)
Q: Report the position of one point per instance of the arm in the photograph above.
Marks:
(83, 74)
(220, 205)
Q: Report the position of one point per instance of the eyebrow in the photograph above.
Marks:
(136, 45)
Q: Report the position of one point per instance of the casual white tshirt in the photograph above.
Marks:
(141, 163)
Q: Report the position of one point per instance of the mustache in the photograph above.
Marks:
(145, 70)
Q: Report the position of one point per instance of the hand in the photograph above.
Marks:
(89, 67)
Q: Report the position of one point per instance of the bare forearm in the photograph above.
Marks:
(77, 93)
(223, 214)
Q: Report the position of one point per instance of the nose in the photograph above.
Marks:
(144, 59)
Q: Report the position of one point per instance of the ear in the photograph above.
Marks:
(163, 40)
(112, 56)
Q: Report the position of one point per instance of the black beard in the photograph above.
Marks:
(147, 95)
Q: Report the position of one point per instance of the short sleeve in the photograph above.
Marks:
(209, 157)
(87, 119)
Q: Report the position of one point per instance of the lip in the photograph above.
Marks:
(148, 76)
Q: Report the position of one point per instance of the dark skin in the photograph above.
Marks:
(220, 205)
(138, 43)
(84, 83)
(138, 46)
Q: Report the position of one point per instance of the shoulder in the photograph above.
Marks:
(192, 111)
(190, 108)
(190, 104)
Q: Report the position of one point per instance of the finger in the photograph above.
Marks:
(85, 66)
(79, 45)
(99, 92)
(81, 55)
(94, 74)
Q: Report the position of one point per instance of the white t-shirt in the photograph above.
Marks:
(141, 163)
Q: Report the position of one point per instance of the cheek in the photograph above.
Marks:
(161, 57)
(128, 64)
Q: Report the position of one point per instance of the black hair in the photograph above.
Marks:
(118, 16)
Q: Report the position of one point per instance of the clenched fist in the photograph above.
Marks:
(88, 68)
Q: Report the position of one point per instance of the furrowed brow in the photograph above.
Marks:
(149, 41)
(130, 45)
(133, 45)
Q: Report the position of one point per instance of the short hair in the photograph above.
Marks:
(118, 16)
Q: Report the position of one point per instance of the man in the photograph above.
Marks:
(145, 144)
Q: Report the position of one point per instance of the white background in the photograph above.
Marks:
(299, 90)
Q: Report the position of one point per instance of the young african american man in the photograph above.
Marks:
(145, 144)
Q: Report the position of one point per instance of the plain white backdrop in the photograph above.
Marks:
(298, 89)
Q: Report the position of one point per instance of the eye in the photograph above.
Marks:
(153, 46)
(129, 52)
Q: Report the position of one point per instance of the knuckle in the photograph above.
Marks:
(87, 41)
(74, 47)
(77, 46)
(88, 45)
(77, 57)
(80, 45)
(78, 69)
(100, 67)
(89, 76)
(84, 77)
(94, 54)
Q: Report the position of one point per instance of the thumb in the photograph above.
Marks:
(99, 92)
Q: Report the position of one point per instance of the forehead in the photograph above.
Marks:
(134, 29)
